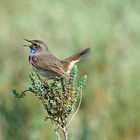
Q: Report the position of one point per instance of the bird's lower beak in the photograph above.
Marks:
(25, 45)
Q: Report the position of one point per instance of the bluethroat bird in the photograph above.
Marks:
(47, 65)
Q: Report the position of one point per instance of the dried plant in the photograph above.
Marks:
(60, 97)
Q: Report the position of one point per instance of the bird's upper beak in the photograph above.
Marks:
(28, 40)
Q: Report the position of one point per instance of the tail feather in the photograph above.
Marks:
(69, 62)
(83, 52)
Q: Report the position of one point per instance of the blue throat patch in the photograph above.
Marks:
(32, 51)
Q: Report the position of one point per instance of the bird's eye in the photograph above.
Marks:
(35, 45)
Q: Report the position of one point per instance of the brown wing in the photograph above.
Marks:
(49, 64)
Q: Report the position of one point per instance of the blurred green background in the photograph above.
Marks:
(110, 108)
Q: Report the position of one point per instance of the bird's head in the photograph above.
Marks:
(36, 46)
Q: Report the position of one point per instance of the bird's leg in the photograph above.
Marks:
(44, 82)
(38, 76)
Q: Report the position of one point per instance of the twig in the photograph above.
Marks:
(65, 133)
(59, 138)
(80, 100)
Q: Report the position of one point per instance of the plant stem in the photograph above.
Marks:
(80, 100)
(65, 133)
(56, 131)
(59, 138)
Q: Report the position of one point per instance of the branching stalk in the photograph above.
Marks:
(59, 98)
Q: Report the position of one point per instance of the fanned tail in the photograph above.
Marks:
(83, 52)
(70, 61)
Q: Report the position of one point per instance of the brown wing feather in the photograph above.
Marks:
(55, 66)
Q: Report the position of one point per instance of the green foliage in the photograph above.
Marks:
(59, 96)
(12, 117)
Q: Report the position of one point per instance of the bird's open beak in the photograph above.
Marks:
(27, 41)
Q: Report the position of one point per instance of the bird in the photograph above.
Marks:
(47, 65)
